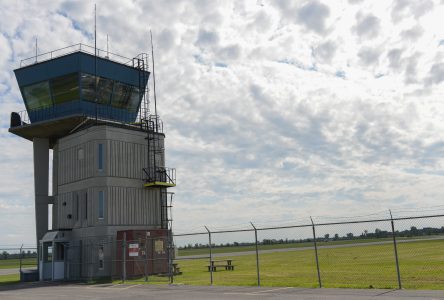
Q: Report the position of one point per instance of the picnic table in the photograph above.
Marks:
(222, 263)
(176, 269)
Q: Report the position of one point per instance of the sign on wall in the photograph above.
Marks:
(133, 249)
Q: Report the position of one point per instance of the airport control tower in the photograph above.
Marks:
(109, 177)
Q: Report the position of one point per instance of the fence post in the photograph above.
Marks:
(257, 256)
(316, 252)
(146, 258)
(211, 256)
(170, 256)
(21, 257)
(395, 249)
(124, 257)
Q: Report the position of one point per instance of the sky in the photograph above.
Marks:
(274, 111)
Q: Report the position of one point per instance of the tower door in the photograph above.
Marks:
(59, 261)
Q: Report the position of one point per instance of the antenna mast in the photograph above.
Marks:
(154, 81)
(36, 49)
(95, 57)
(107, 47)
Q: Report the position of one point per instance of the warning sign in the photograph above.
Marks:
(133, 249)
(158, 246)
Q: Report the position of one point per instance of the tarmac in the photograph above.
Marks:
(49, 291)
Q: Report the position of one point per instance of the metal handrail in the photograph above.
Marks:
(161, 174)
(76, 48)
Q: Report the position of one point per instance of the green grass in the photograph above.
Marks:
(15, 263)
(9, 279)
(229, 249)
(421, 266)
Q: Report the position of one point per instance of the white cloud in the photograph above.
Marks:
(367, 27)
(274, 110)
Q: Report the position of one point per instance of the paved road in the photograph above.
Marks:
(50, 291)
(307, 248)
(13, 271)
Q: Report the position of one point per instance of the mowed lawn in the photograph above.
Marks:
(421, 266)
(230, 249)
(15, 263)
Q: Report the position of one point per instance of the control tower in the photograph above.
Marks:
(108, 170)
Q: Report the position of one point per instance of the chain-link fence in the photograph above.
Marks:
(15, 260)
(390, 252)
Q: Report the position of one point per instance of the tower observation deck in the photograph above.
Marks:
(91, 107)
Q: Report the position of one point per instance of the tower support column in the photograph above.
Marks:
(41, 179)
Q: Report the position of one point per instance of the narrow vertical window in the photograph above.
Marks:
(100, 157)
(77, 207)
(101, 204)
(101, 257)
(86, 206)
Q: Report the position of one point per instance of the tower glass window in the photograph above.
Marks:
(122, 95)
(65, 88)
(37, 95)
(101, 208)
(104, 88)
(134, 99)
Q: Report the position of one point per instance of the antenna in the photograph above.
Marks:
(95, 57)
(107, 47)
(154, 80)
(36, 49)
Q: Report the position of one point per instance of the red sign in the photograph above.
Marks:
(133, 249)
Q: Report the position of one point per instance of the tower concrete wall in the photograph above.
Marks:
(81, 178)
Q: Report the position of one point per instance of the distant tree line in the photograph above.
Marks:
(25, 254)
(377, 234)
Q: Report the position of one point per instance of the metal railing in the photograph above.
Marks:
(76, 48)
(160, 174)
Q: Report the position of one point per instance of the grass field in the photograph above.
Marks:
(225, 249)
(15, 263)
(421, 267)
(9, 279)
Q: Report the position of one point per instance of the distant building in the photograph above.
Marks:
(109, 177)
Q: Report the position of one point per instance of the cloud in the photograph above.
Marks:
(313, 16)
(436, 75)
(413, 33)
(405, 8)
(367, 27)
(369, 56)
(267, 108)
(207, 38)
(325, 51)
(394, 57)
(411, 71)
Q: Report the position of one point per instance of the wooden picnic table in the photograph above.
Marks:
(221, 263)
